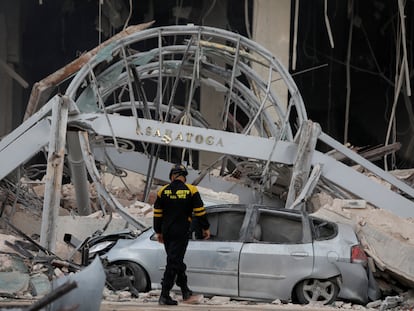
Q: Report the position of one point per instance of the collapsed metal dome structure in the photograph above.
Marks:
(158, 74)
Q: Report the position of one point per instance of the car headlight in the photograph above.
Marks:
(100, 247)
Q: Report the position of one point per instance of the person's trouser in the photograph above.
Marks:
(175, 268)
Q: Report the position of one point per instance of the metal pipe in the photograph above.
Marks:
(78, 173)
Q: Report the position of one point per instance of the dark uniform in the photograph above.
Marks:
(174, 208)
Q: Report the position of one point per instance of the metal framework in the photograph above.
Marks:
(161, 82)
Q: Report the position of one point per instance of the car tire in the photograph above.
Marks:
(135, 273)
(322, 291)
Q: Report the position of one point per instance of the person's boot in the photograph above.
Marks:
(167, 300)
(186, 292)
(166, 285)
(182, 283)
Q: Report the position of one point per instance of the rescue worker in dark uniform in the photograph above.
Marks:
(176, 204)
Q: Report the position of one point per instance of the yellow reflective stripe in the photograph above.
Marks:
(198, 209)
(159, 193)
(192, 188)
(200, 213)
(157, 212)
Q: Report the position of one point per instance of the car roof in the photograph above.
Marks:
(244, 207)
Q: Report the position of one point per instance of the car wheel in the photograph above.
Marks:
(322, 291)
(135, 273)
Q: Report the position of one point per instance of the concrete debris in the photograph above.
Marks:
(40, 284)
(387, 239)
(364, 220)
(219, 300)
(374, 304)
(277, 302)
(391, 302)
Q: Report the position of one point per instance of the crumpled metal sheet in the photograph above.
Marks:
(88, 294)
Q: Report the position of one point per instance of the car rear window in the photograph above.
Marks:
(323, 230)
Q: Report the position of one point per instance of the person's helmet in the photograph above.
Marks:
(178, 169)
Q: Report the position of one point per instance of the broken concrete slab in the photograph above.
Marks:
(12, 283)
(14, 275)
(389, 252)
(40, 284)
(386, 238)
(10, 263)
(82, 227)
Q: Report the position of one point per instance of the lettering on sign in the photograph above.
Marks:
(167, 136)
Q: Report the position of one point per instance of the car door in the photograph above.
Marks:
(280, 254)
(212, 265)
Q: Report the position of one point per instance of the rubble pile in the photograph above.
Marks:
(27, 273)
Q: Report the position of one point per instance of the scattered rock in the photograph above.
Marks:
(374, 304)
(218, 300)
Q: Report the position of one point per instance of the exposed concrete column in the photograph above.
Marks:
(54, 172)
(271, 29)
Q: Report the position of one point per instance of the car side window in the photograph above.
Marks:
(226, 225)
(280, 229)
(324, 230)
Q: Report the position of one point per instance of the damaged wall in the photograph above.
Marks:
(11, 83)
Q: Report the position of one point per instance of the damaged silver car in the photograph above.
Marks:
(258, 252)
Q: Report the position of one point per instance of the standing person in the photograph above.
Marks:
(176, 204)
